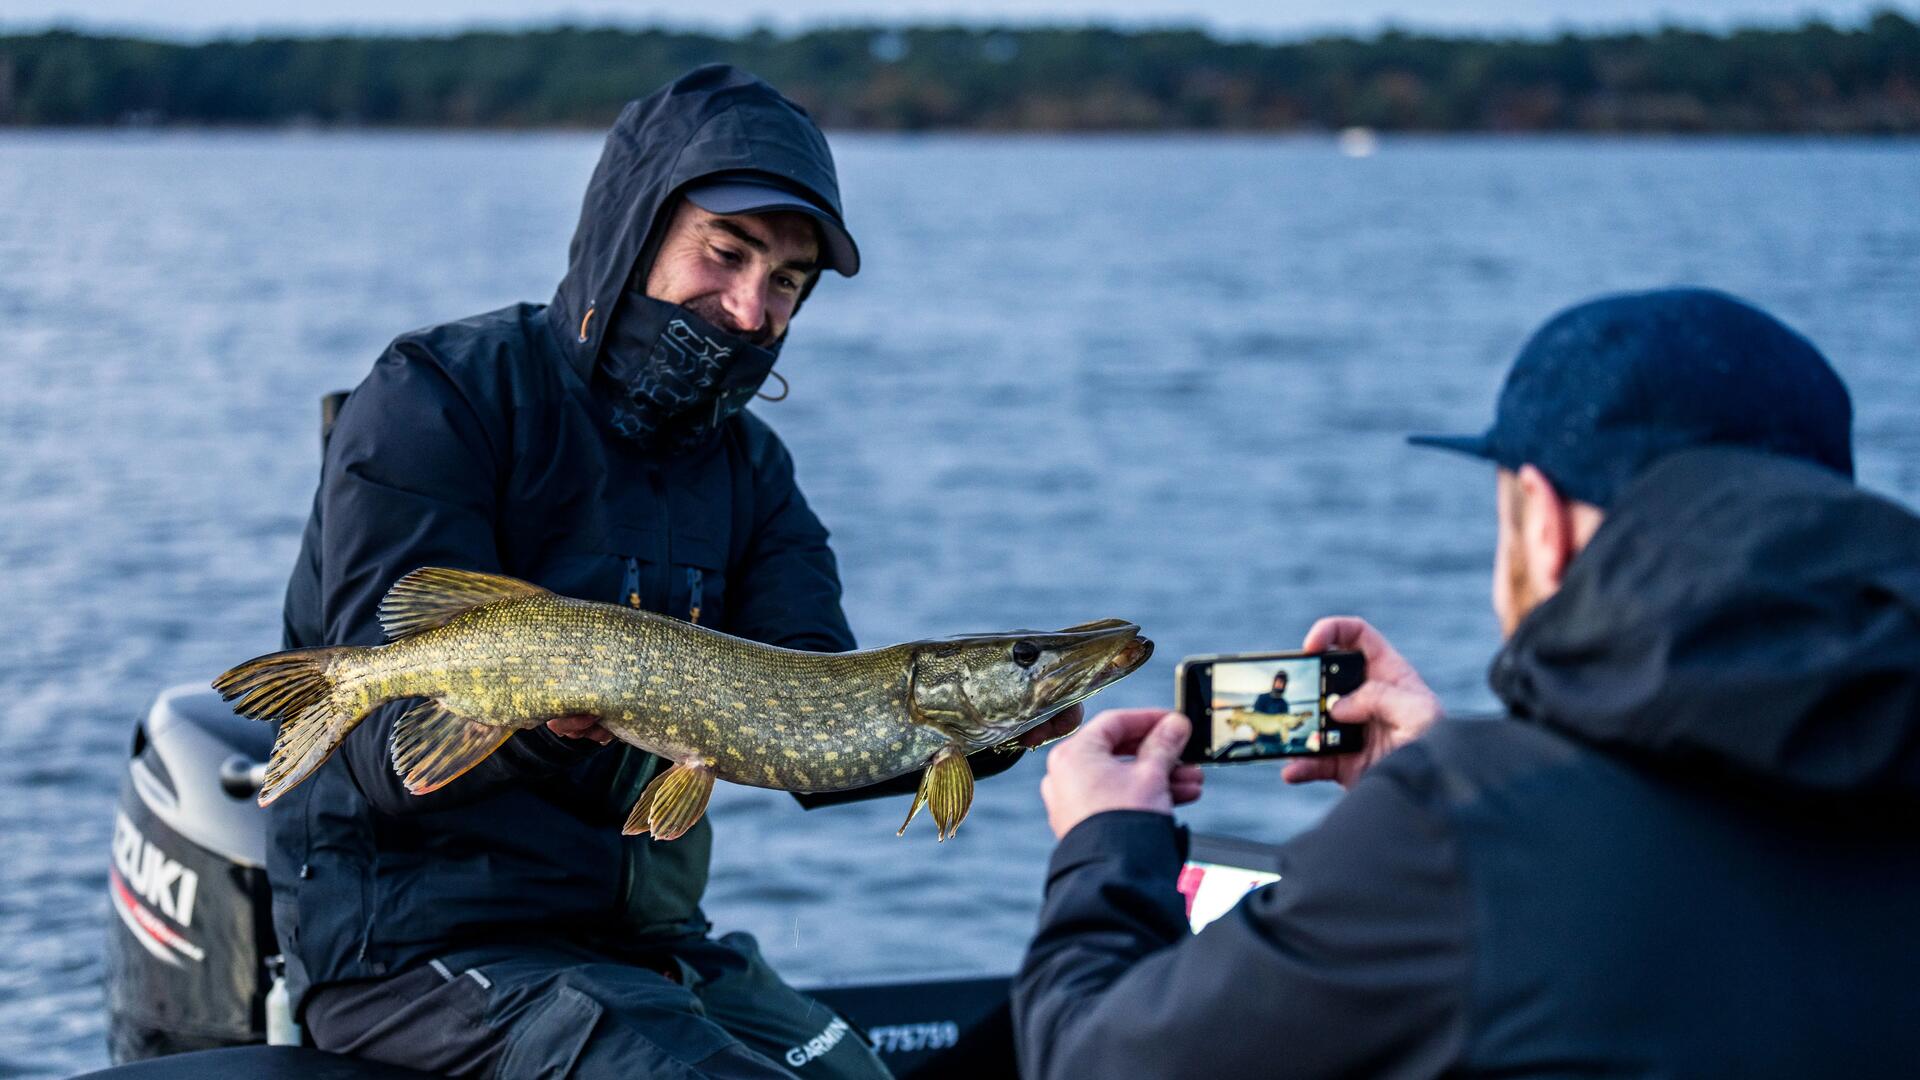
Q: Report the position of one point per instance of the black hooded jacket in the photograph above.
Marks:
(1694, 850)
(482, 444)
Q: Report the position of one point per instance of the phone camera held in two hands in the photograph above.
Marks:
(1260, 706)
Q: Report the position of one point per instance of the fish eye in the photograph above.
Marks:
(1025, 653)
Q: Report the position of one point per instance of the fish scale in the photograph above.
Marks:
(492, 655)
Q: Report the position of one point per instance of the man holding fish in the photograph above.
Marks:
(575, 472)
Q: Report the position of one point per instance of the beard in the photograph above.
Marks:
(1520, 598)
(1518, 586)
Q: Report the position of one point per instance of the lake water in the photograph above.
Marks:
(1165, 379)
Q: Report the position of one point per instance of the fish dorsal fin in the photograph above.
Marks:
(432, 595)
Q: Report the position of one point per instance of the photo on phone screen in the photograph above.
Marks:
(1255, 708)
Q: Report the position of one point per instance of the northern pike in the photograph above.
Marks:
(492, 655)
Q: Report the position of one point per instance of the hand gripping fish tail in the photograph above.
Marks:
(489, 655)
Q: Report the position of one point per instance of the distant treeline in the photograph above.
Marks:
(1813, 78)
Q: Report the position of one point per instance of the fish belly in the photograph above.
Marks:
(789, 751)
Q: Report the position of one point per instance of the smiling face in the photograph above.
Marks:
(744, 273)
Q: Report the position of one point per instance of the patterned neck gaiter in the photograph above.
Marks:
(671, 379)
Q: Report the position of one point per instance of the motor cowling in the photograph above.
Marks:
(187, 883)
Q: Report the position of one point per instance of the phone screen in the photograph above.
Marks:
(1253, 708)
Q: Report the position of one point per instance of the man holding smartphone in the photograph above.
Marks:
(1690, 849)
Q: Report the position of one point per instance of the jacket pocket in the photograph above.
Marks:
(465, 992)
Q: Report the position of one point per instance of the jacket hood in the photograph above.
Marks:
(1740, 613)
(712, 120)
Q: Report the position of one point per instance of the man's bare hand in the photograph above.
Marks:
(1059, 726)
(1124, 759)
(580, 727)
(1394, 702)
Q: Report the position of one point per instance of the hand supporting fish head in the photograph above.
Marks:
(984, 689)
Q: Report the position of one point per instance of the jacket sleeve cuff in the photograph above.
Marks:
(1138, 844)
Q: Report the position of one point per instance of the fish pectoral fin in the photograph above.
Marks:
(672, 802)
(432, 746)
(432, 595)
(946, 790)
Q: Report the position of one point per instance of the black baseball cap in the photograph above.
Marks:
(751, 193)
(1607, 387)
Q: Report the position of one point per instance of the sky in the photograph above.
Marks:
(1259, 18)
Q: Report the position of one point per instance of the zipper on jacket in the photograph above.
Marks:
(696, 582)
(663, 550)
(630, 589)
(631, 760)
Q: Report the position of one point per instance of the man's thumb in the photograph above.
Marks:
(1162, 746)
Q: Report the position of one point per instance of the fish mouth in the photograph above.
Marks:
(1128, 658)
(1107, 652)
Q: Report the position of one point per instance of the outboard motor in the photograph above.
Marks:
(188, 953)
(191, 959)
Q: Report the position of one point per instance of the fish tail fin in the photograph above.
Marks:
(672, 802)
(296, 688)
(280, 685)
(304, 743)
(946, 790)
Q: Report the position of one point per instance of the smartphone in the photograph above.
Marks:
(1262, 706)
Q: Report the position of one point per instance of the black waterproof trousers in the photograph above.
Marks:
(695, 1007)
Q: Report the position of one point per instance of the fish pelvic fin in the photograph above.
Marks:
(672, 802)
(433, 595)
(432, 746)
(296, 688)
(946, 790)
